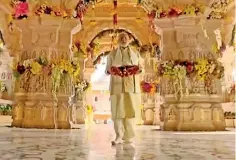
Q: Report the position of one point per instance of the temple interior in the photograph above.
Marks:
(55, 98)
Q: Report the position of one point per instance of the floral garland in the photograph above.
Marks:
(21, 9)
(218, 9)
(80, 11)
(80, 87)
(53, 11)
(58, 70)
(149, 87)
(175, 11)
(205, 70)
(5, 109)
(229, 115)
(3, 87)
(201, 68)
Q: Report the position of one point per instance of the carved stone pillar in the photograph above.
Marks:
(150, 101)
(196, 110)
(18, 110)
(47, 37)
(80, 112)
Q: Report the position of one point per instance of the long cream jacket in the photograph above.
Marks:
(130, 84)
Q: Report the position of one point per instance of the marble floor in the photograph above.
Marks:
(94, 144)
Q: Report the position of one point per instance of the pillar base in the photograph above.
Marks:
(16, 123)
(63, 125)
(189, 115)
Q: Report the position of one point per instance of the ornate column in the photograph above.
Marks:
(149, 100)
(50, 38)
(196, 108)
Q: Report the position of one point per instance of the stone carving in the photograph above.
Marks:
(181, 56)
(63, 116)
(149, 116)
(171, 115)
(195, 116)
(14, 40)
(17, 114)
(190, 39)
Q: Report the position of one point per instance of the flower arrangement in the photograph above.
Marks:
(3, 87)
(229, 115)
(42, 66)
(208, 69)
(175, 11)
(57, 70)
(90, 109)
(5, 109)
(35, 66)
(82, 85)
(202, 69)
(79, 50)
(80, 11)
(148, 87)
(218, 9)
(56, 11)
(21, 9)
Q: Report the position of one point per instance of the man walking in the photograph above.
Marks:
(124, 89)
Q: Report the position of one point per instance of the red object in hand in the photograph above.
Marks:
(124, 71)
(132, 70)
(114, 71)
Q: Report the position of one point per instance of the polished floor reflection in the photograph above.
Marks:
(94, 144)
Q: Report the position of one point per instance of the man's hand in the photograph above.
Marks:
(113, 71)
(133, 70)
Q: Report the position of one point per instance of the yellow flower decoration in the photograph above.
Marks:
(202, 68)
(189, 10)
(214, 48)
(65, 65)
(89, 109)
(36, 68)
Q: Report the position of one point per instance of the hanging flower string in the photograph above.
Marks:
(80, 11)
(21, 9)
(219, 9)
(176, 11)
(204, 70)
(115, 16)
(58, 70)
(219, 47)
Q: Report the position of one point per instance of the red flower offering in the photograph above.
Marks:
(124, 71)
(146, 87)
(132, 70)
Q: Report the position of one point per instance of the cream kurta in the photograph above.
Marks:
(125, 92)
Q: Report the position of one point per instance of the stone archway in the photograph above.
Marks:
(89, 33)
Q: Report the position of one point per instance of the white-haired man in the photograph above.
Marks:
(125, 91)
